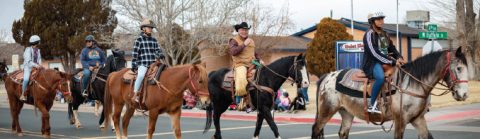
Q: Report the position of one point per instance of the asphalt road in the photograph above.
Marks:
(192, 128)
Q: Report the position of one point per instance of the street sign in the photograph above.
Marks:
(432, 27)
(432, 35)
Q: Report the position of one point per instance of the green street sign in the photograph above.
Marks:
(432, 27)
(432, 35)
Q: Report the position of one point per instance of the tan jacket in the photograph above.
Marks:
(245, 57)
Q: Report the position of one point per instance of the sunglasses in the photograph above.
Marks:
(88, 41)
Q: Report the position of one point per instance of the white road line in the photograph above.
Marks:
(35, 134)
(190, 131)
(351, 133)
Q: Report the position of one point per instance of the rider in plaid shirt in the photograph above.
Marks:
(145, 52)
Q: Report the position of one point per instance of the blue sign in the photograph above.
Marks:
(349, 54)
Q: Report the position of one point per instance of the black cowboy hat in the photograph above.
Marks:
(242, 25)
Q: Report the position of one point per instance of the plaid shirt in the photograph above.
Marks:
(144, 50)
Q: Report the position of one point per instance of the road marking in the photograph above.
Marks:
(351, 133)
(35, 134)
(190, 131)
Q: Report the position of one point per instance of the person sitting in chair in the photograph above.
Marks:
(379, 51)
(145, 52)
(31, 59)
(92, 57)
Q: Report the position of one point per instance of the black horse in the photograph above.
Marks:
(3, 69)
(114, 62)
(272, 76)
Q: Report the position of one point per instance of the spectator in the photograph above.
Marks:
(284, 102)
(190, 101)
(298, 102)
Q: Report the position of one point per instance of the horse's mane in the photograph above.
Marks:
(203, 75)
(280, 61)
(423, 66)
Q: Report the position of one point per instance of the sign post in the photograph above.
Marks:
(432, 34)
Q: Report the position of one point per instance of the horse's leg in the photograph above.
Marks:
(101, 121)
(126, 119)
(175, 118)
(325, 112)
(258, 126)
(421, 125)
(15, 109)
(97, 106)
(117, 110)
(217, 112)
(77, 120)
(269, 118)
(153, 115)
(45, 119)
(399, 128)
(347, 120)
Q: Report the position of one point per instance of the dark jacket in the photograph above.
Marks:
(372, 54)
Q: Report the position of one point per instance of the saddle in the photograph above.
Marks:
(356, 79)
(17, 76)
(229, 79)
(151, 75)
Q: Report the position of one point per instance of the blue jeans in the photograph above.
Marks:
(142, 70)
(238, 99)
(305, 93)
(86, 78)
(26, 78)
(379, 77)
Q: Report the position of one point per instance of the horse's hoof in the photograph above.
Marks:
(255, 137)
(124, 137)
(78, 126)
(113, 130)
(46, 136)
(279, 137)
(20, 134)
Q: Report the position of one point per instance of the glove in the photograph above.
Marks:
(159, 56)
(255, 62)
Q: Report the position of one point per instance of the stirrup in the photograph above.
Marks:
(84, 93)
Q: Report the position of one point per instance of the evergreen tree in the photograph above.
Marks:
(63, 24)
(321, 51)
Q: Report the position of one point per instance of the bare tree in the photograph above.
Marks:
(459, 17)
(5, 36)
(182, 24)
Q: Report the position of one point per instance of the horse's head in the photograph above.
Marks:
(64, 85)
(298, 71)
(456, 74)
(198, 83)
(3, 69)
(116, 61)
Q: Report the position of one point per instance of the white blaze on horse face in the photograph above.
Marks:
(305, 81)
(461, 88)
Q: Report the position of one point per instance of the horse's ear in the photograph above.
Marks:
(300, 56)
(459, 52)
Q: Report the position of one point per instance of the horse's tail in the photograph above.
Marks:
(107, 105)
(70, 111)
(209, 115)
(320, 80)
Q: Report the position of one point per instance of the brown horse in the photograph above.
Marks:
(43, 90)
(168, 99)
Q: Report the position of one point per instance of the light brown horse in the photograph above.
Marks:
(164, 97)
(43, 89)
(407, 105)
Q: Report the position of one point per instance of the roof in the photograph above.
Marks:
(282, 43)
(9, 49)
(389, 28)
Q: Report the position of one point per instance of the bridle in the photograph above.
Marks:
(195, 90)
(294, 67)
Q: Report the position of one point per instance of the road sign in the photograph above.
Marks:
(432, 35)
(432, 27)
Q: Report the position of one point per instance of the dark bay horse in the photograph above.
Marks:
(163, 97)
(43, 89)
(407, 105)
(3, 69)
(114, 62)
(272, 76)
